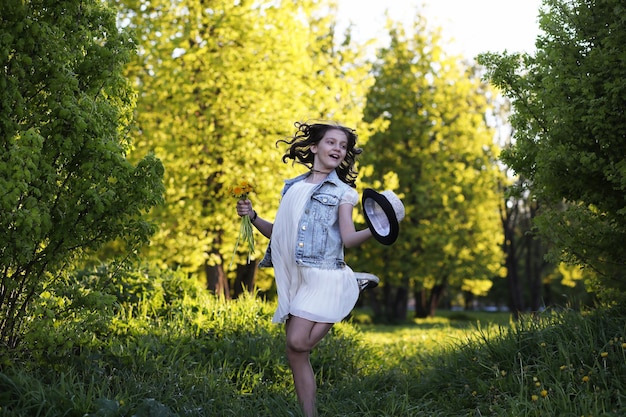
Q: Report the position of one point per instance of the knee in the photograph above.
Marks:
(295, 345)
(297, 358)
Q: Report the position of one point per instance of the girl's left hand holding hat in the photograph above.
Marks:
(383, 213)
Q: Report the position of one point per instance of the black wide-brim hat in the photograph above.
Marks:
(383, 213)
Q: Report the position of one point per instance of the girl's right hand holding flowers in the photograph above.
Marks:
(244, 208)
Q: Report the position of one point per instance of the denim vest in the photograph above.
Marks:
(319, 241)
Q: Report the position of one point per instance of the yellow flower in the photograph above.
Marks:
(544, 393)
(503, 372)
(237, 191)
(623, 345)
(585, 378)
(534, 398)
(241, 190)
(604, 354)
(246, 232)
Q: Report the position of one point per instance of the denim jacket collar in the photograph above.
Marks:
(332, 178)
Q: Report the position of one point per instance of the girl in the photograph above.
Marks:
(314, 222)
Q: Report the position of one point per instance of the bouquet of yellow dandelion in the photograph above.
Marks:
(246, 233)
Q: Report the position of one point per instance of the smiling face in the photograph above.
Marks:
(330, 151)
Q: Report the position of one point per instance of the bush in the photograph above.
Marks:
(152, 342)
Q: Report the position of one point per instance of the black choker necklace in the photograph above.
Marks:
(320, 172)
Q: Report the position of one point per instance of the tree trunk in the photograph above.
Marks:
(216, 280)
(534, 264)
(396, 302)
(374, 303)
(469, 300)
(516, 303)
(388, 298)
(436, 294)
(420, 303)
(508, 217)
(401, 304)
(547, 295)
(244, 281)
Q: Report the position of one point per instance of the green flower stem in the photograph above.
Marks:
(246, 234)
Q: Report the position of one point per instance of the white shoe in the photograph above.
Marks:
(366, 281)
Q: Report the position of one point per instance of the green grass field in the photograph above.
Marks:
(194, 355)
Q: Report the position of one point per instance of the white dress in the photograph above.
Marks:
(320, 295)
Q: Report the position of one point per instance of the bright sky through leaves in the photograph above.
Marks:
(471, 27)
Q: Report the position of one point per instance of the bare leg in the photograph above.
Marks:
(302, 336)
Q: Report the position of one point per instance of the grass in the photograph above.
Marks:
(423, 339)
(194, 355)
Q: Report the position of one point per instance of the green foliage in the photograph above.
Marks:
(66, 185)
(218, 85)
(438, 155)
(168, 348)
(569, 123)
(82, 307)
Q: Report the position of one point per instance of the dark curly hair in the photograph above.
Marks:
(310, 134)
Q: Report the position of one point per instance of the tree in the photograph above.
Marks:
(569, 102)
(532, 281)
(525, 255)
(437, 153)
(218, 85)
(66, 185)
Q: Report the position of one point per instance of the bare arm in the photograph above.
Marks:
(244, 207)
(349, 235)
